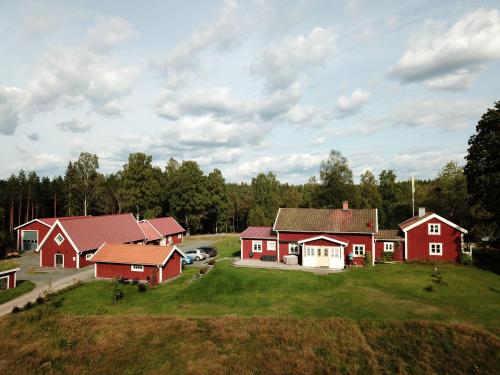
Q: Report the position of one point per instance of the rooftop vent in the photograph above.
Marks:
(421, 211)
(345, 205)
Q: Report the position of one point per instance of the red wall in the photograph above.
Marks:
(11, 277)
(84, 262)
(50, 248)
(41, 228)
(112, 271)
(173, 267)
(418, 243)
(398, 251)
(247, 247)
(176, 240)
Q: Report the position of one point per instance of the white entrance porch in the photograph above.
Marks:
(323, 251)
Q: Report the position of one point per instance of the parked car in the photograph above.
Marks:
(196, 254)
(187, 260)
(211, 251)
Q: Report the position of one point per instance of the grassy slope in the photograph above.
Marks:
(22, 287)
(230, 345)
(7, 265)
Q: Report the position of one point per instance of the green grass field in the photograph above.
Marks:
(7, 265)
(22, 287)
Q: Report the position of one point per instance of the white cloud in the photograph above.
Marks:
(43, 163)
(222, 33)
(10, 108)
(349, 105)
(308, 115)
(282, 65)
(451, 54)
(424, 163)
(108, 32)
(74, 126)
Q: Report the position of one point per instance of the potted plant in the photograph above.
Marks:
(250, 254)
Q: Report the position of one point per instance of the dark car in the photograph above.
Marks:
(211, 251)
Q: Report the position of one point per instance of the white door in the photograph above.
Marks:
(309, 256)
(323, 256)
(337, 257)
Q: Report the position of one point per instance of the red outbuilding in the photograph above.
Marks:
(171, 233)
(389, 241)
(430, 237)
(71, 241)
(8, 278)
(154, 264)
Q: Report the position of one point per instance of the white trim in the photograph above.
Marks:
(95, 269)
(10, 271)
(137, 269)
(267, 245)
(389, 243)
(323, 238)
(100, 247)
(78, 260)
(8, 281)
(152, 226)
(87, 257)
(440, 248)
(376, 220)
(59, 239)
(256, 242)
(57, 222)
(29, 230)
(15, 279)
(278, 244)
(174, 248)
(406, 246)
(55, 263)
(241, 248)
(161, 272)
(276, 219)
(429, 226)
(293, 244)
(354, 251)
(435, 216)
(373, 250)
(30, 222)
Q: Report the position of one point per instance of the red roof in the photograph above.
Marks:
(166, 226)
(134, 254)
(258, 232)
(89, 233)
(151, 233)
(413, 220)
(49, 221)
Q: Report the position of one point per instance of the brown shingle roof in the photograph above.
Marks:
(326, 220)
(258, 232)
(132, 254)
(388, 234)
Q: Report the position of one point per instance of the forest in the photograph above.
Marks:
(206, 203)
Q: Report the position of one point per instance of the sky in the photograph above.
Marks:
(246, 86)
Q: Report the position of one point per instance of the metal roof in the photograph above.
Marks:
(166, 225)
(258, 232)
(326, 220)
(151, 233)
(388, 234)
(134, 254)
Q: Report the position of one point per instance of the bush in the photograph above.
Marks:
(141, 287)
(388, 256)
(429, 288)
(16, 309)
(466, 259)
(116, 293)
(28, 305)
(203, 270)
(367, 259)
(211, 262)
(40, 300)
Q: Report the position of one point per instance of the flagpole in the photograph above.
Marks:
(413, 195)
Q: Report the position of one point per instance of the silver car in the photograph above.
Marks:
(196, 254)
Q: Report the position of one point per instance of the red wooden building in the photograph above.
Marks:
(154, 264)
(30, 234)
(71, 241)
(8, 279)
(389, 241)
(430, 237)
(318, 237)
(163, 230)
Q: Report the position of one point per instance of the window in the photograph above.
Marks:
(4, 282)
(257, 246)
(435, 248)
(271, 245)
(179, 236)
(293, 248)
(136, 268)
(309, 251)
(88, 256)
(389, 247)
(325, 252)
(59, 239)
(359, 250)
(434, 229)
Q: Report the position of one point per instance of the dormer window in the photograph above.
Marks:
(434, 229)
(59, 239)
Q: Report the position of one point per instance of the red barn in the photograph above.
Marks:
(318, 237)
(8, 278)
(171, 233)
(430, 237)
(154, 264)
(389, 241)
(71, 241)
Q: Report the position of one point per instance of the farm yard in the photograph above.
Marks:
(391, 318)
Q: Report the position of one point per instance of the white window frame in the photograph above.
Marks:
(391, 247)
(431, 225)
(293, 245)
(88, 256)
(179, 236)
(256, 246)
(59, 242)
(8, 281)
(136, 268)
(22, 237)
(272, 247)
(309, 251)
(436, 244)
(360, 248)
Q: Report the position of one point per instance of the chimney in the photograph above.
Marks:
(421, 211)
(345, 205)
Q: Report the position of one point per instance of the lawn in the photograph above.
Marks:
(6, 265)
(385, 292)
(23, 286)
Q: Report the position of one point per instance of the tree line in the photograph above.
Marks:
(206, 203)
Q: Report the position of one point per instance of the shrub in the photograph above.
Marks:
(211, 262)
(141, 287)
(40, 300)
(466, 259)
(28, 305)
(388, 256)
(367, 259)
(116, 293)
(203, 270)
(16, 309)
(429, 288)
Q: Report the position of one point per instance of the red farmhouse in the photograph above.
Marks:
(71, 241)
(153, 264)
(164, 231)
(8, 278)
(30, 234)
(318, 237)
(431, 237)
